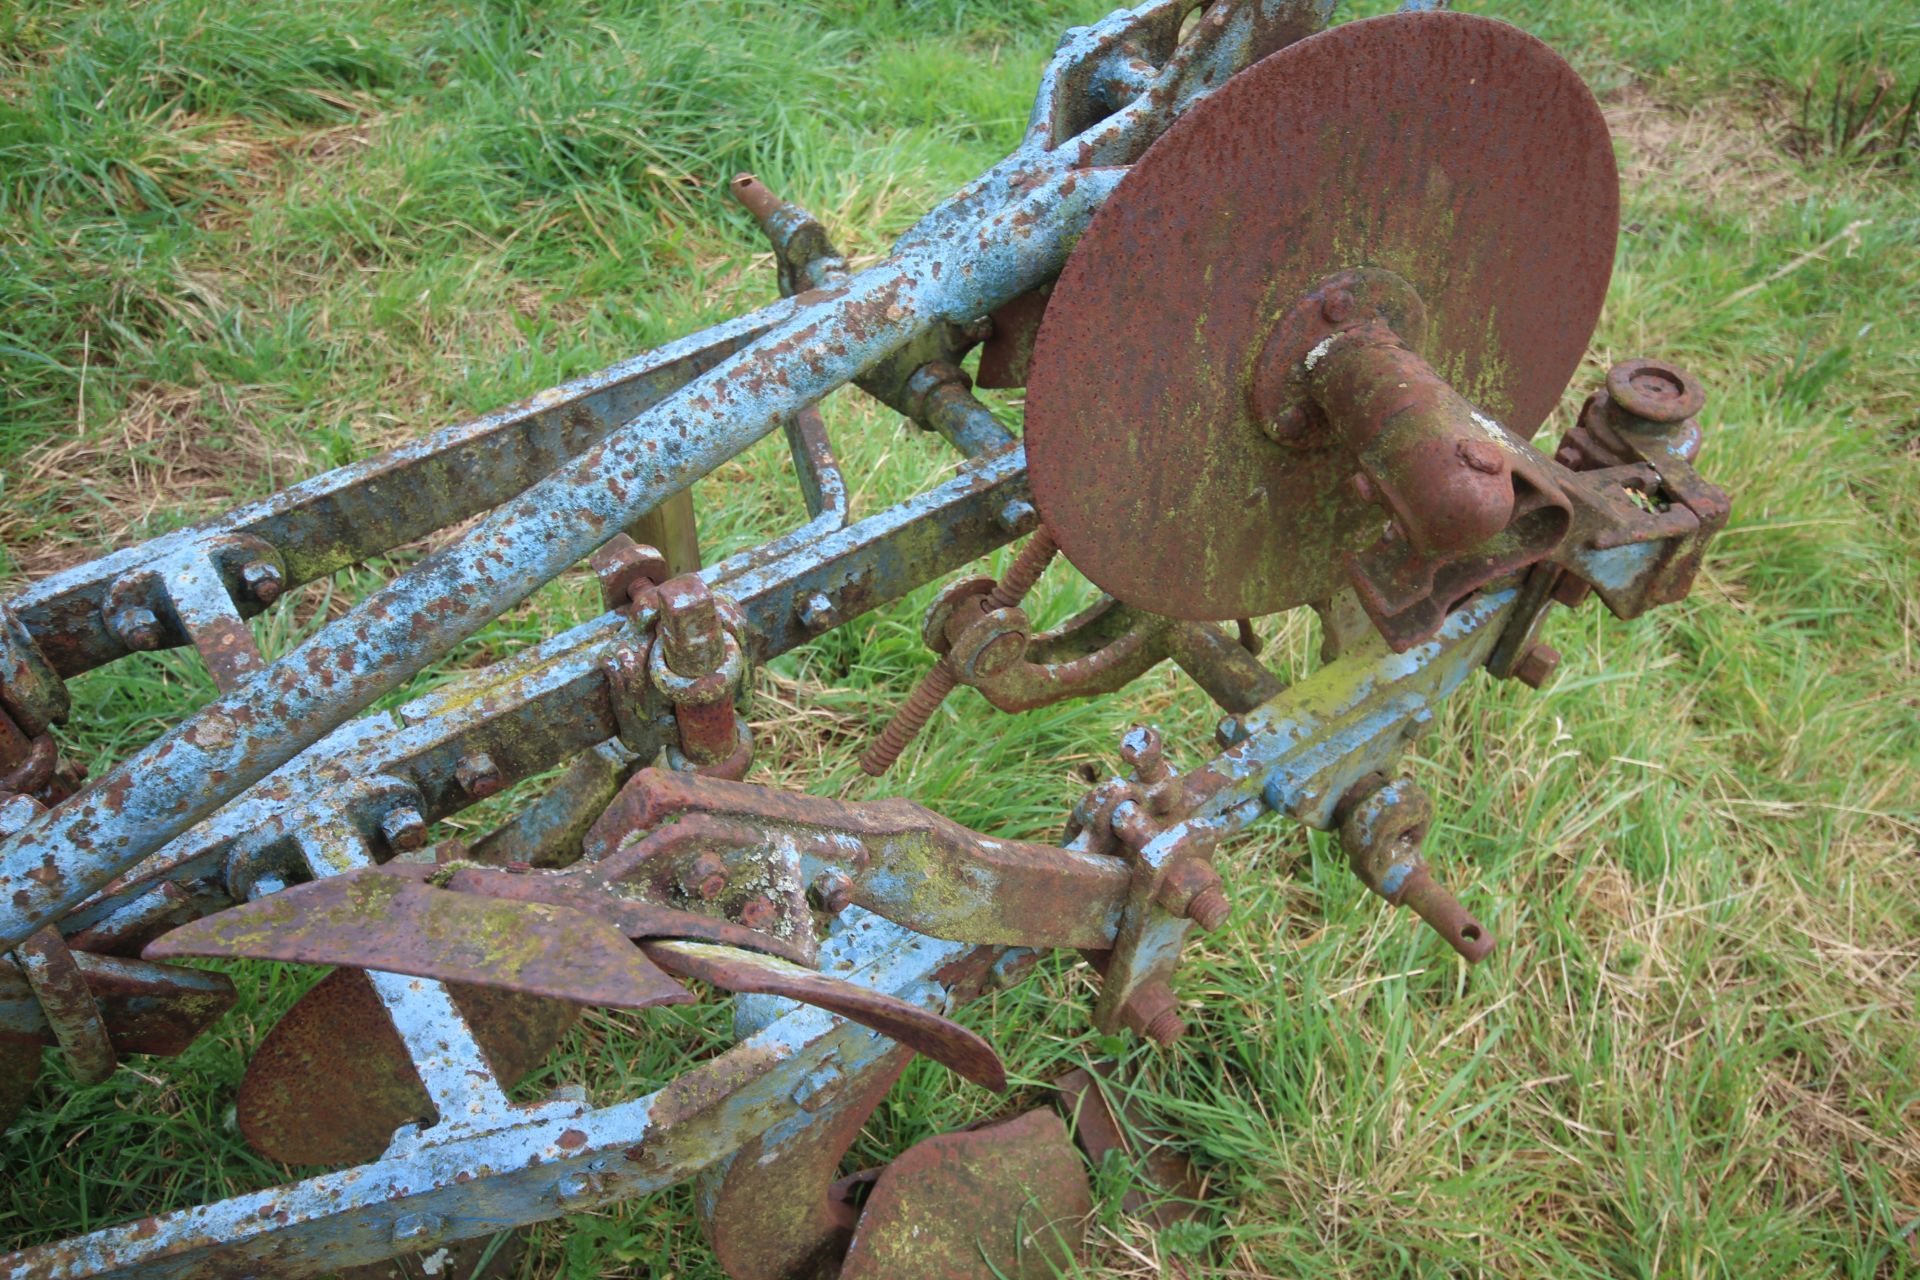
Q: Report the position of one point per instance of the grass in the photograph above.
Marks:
(245, 242)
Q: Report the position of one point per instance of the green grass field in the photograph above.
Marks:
(241, 243)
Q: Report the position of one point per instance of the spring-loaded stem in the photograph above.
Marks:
(941, 681)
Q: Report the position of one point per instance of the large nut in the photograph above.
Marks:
(1153, 1011)
(816, 612)
(624, 566)
(989, 644)
(965, 593)
(1191, 888)
(706, 878)
(478, 775)
(404, 828)
(1536, 666)
(263, 580)
(690, 632)
(138, 628)
(1655, 393)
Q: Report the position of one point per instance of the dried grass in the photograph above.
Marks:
(1723, 150)
(175, 452)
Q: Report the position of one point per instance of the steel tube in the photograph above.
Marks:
(243, 735)
(539, 707)
(540, 1161)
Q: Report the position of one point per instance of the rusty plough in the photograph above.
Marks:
(1288, 304)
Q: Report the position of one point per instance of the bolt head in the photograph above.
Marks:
(706, 879)
(624, 567)
(1230, 732)
(404, 829)
(138, 628)
(1571, 591)
(758, 912)
(416, 1226)
(1536, 667)
(816, 612)
(1481, 456)
(831, 892)
(1363, 488)
(690, 626)
(1017, 516)
(1143, 750)
(1657, 393)
(1337, 306)
(478, 775)
(263, 580)
(576, 1186)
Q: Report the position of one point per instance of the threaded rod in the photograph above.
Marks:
(939, 682)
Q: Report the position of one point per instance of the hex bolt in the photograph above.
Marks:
(1481, 456)
(404, 829)
(1141, 747)
(1654, 393)
(576, 1186)
(816, 612)
(758, 912)
(815, 1087)
(1166, 1028)
(1536, 666)
(706, 879)
(831, 892)
(1016, 516)
(1191, 888)
(263, 580)
(624, 569)
(1571, 591)
(690, 627)
(1230, 732)
(478, 775)
(417, 1226)
(137, 627)
(1154, 1012)
(1209, 908)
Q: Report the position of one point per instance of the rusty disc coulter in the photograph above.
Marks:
(1449, 173)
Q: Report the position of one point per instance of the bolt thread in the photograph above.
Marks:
(910, 719)
(939, 682)
(1023, 572)
(1166, 1027)
(1208, 909)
